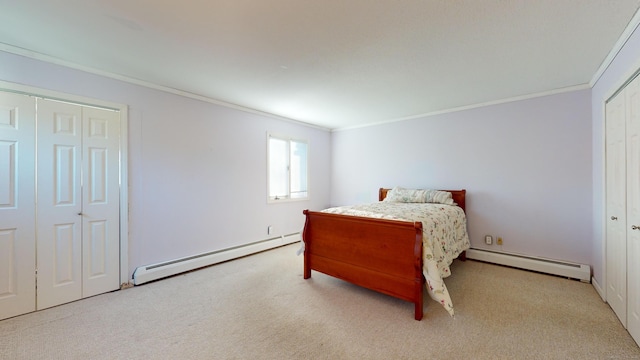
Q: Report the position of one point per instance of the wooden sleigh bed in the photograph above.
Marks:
(378, 254)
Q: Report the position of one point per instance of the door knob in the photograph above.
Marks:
(614, 218)
(80, 213)
(633, 227)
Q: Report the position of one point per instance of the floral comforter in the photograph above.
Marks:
(444, 237)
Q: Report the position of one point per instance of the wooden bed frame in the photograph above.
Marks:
(382, 255)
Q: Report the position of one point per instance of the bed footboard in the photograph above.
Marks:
(382, 255)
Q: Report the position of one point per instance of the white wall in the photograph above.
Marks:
(626, 62)
(526, 166)
(197, 171)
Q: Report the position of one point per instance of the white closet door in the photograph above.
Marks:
(616, 282)
(59, 246)
(633, 208)
(100, 201)
(17, 212)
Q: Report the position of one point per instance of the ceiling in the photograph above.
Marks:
(331, 63)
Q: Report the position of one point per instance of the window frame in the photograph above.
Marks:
(289, 140)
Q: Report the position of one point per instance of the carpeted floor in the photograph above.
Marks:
(260, 307)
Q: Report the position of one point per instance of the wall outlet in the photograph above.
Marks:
(488, 240)
(499, 240)
(269, 230)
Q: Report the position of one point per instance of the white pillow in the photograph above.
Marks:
(398, 194)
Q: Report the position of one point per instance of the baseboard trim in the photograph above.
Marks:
(599, 289)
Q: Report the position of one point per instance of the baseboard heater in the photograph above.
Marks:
(548, 266)
(165, 269)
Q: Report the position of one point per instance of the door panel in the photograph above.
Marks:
(59, 246)
(17, 199)
(63, 253)
(633, 208)
(616, 281)
(101, 197)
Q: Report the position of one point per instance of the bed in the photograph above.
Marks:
(387, 252)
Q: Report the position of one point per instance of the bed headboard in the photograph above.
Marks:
(458, 196)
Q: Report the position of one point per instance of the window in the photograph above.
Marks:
(287, 168)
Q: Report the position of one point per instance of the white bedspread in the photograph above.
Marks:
(444, 237)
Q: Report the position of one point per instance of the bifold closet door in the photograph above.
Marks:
(17, 211)
(78, 202)
(622, 126)
(100, 201)
(59, 206)
(616, 207)
(633, 207)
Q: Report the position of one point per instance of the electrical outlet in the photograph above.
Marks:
(499, 240)
(488, 240)
(269, 230)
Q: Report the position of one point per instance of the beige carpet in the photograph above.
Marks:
(260, 307)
